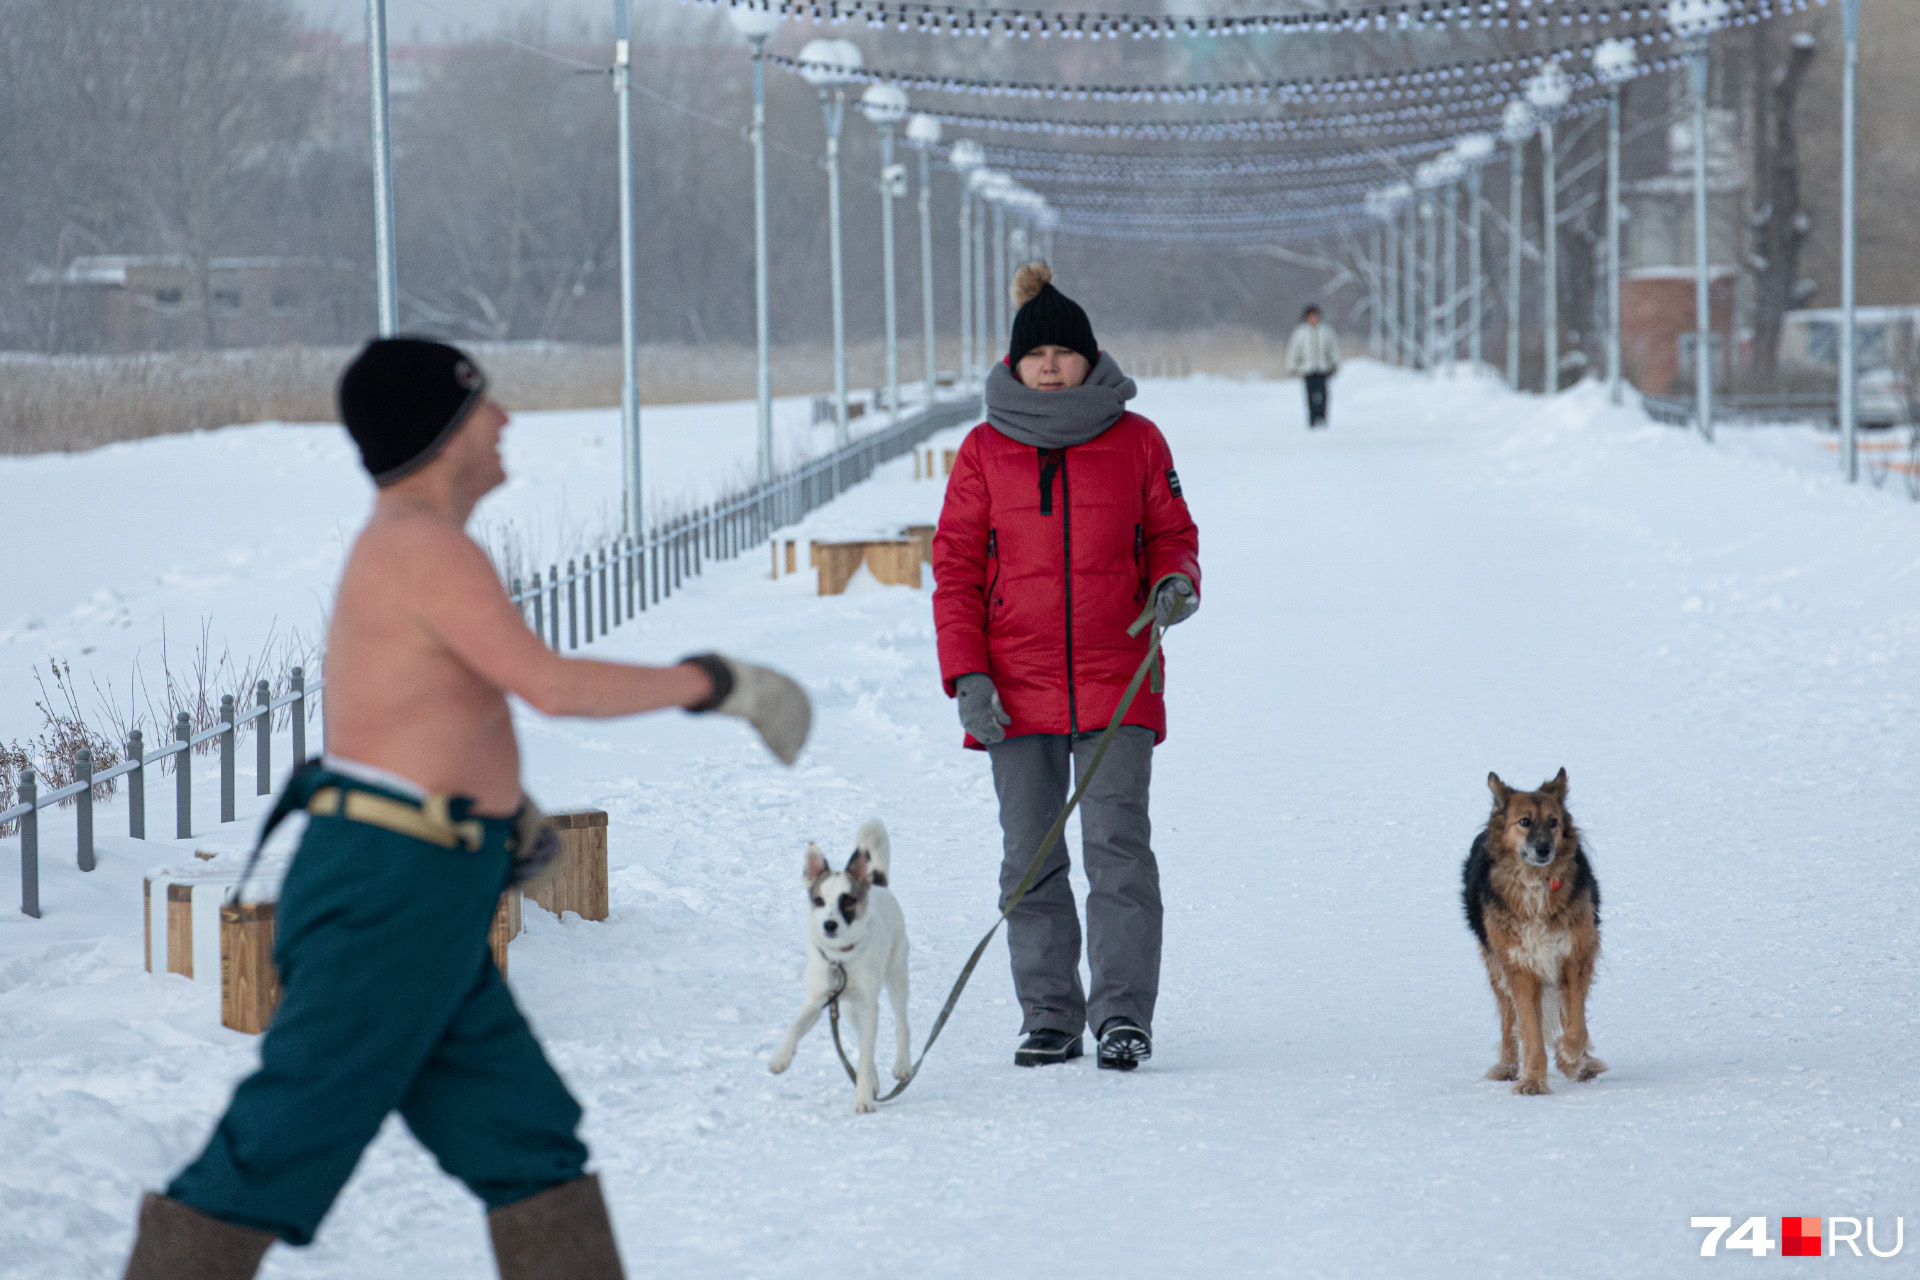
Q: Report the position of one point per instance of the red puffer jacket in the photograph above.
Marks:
(1044, 558)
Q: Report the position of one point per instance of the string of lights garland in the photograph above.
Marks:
(1448, 80)
(1346, 125)
(924, 18)
(1128, 164)
(1191, 202)
(1224, 180)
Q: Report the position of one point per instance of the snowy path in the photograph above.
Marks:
(1720, 648)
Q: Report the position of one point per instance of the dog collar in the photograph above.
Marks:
(1553, 886)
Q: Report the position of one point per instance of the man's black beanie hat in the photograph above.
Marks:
(403, 398)
(1048, 317)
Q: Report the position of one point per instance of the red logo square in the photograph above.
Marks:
(1799, 1237)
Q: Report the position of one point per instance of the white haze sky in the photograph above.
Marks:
(415, 21)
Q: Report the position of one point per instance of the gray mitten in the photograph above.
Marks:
(980, 711)
(773, 704)
(1174, 600)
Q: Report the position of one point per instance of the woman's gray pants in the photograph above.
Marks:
(1030, 775)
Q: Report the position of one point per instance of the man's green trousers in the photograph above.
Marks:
(390, 1002)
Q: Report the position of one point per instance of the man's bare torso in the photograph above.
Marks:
(398, 696)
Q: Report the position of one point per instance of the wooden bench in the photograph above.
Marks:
(923, 534)
(250, 986)
(893, 561)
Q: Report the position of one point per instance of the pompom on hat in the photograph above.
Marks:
(402, 399)
(1048, 317)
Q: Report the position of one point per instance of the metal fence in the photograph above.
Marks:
(611, 584)
(598, 591)
(134, 770)
(1765, 406)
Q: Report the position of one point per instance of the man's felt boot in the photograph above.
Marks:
(560, 1234)
(174, 1241)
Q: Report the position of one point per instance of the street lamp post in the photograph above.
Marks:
(966, 157)
(632, 470)
(1410, 295)
(1613, 62)
(978, 182)
(1473, 151)
(1516, 126)
(758, 25)
(386, 272)
(1695, 21)
(923, 135)
(886, 105)
(827, 65)
(1547, 92)
(1849, 242)
(1377, 269)
(1451, 195)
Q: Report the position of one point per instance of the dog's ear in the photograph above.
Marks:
(1500, 790)
(816, 865)
(860, 868)
(1557, 788)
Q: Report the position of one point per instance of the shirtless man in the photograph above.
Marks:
(416, 823)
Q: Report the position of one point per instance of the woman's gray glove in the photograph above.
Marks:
(1174, 600)
(773, 704)
(980, 711)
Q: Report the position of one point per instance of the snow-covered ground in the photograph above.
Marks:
(1721, 645)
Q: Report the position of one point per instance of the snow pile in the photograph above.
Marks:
(1718, 644)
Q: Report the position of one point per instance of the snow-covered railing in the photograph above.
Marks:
(611, 584)
(134, 769)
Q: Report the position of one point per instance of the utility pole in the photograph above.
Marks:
(757, 25)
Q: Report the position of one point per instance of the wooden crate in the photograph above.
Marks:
(894, 561)
(249, 983)
(506, 927)
(169, 919)
(923, 534)
(580, 883)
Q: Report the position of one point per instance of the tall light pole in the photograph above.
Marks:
(977, 183)
(1614, 62)
(1547, 92)
(1451, 194)
(1410, 293)
(1516, 125)
(1473, 151)
(758, 25)
(632, 470)
(923, 135)
(1430, 214)
(885, 105)
(1377, 270)
(386, 272)
(1694, 22)
(966, 157)
(828, 65)
(1849, 243)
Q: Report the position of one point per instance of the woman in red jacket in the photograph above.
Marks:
(1064, 523)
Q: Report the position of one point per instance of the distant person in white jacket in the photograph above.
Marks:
(1313, 354)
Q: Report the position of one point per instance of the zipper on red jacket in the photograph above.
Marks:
(1066, 538)
(993, 554)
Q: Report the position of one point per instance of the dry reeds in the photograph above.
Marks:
(66, 403)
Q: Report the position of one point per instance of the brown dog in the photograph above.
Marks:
(1533, 903)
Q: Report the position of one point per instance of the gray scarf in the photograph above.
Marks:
(1058, 419)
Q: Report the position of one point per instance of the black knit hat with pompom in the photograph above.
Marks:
(1048, 317)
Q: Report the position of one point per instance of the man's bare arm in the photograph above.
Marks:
(460, 601)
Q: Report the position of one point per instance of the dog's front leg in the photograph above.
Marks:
(865, 1084)
(1576, 1057)
(1525, 985)
(1508, 1067)
(809, 1014)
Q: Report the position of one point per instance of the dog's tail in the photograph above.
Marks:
(872, 841)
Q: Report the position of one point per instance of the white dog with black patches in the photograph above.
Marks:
(854, 924)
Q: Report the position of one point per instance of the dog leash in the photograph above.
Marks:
(1054, 832)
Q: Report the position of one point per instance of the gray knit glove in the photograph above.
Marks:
(980, 711)
(1174, 600)
(773, 704)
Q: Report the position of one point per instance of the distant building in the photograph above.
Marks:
(1659, 325)
(155, 302)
